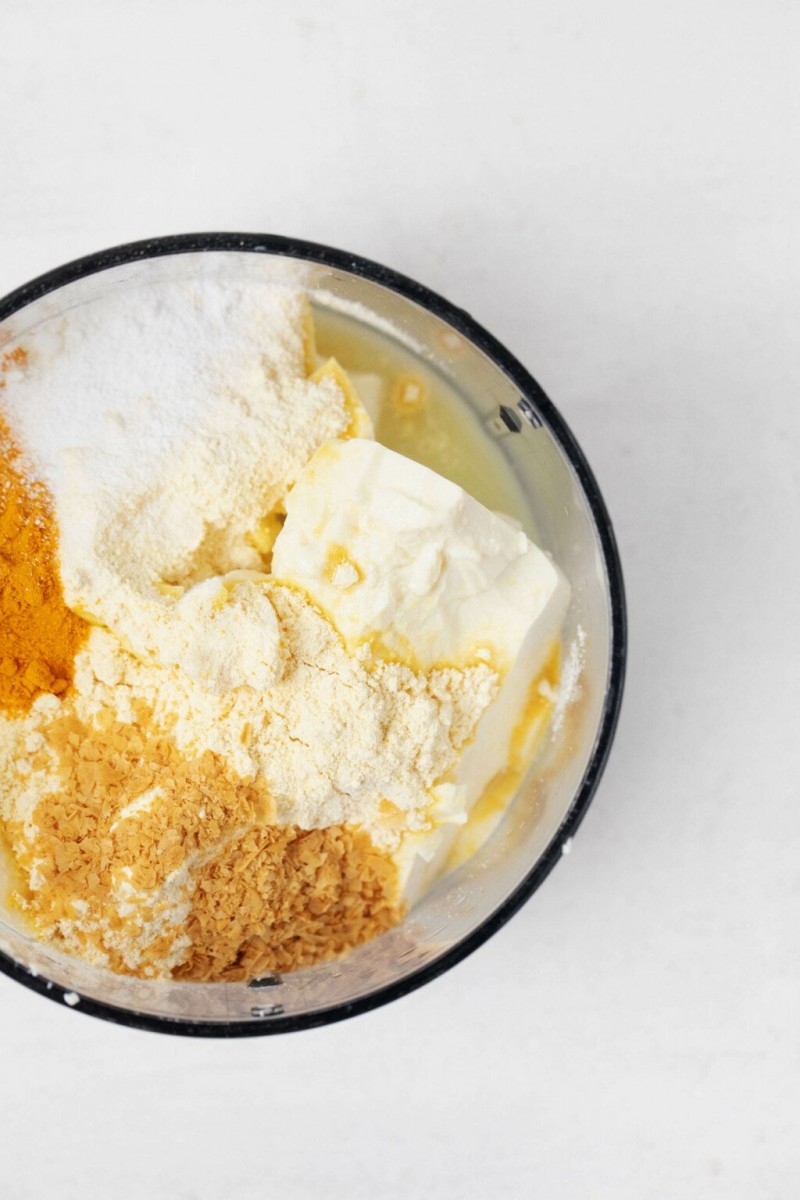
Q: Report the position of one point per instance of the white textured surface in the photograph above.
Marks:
(613, 190)
(436, 575)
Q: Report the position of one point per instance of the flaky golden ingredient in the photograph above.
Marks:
(325, 890)
(154, 864)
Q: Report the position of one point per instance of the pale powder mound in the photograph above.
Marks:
(168, 421)
(336, 740)
(149, 863)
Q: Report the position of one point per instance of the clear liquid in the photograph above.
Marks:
(439, 429)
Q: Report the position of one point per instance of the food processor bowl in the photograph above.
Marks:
(470, 903)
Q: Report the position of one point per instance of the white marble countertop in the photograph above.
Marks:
(613, 190)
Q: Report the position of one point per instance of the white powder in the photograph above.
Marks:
(22, 787)
(168, 420)
(569, 684)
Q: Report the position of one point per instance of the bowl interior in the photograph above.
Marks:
(525, 439)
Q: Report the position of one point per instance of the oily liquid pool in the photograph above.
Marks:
(416, 412)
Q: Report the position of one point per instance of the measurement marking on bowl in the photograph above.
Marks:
(435, 932)
(510, 419)
(266, 981)
(266, 1010)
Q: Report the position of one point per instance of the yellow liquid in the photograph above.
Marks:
(419, 414)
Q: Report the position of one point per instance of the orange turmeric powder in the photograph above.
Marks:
(39, 636)
(18, 357)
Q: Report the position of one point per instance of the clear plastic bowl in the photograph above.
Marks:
(466, 907)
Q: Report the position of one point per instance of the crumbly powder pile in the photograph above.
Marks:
(336, 739)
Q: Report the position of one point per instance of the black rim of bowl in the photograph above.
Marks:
(463, 323)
